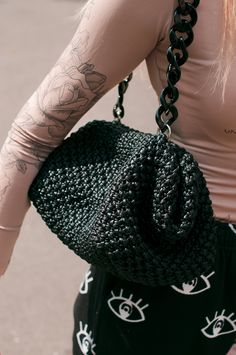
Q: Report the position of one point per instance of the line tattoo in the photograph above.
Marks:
(58, 104)
(79, 45)
(12, 158)
(69, 95)
(72, 87)
(5, 183)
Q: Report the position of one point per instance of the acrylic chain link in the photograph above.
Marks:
(181, 36)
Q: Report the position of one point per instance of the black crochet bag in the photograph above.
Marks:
(133, 203)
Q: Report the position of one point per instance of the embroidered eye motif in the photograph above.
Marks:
(195, 286)
(85, 284)
(220, 325)
(126, 309)
(85, 341)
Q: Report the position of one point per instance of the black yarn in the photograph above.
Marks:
(132, 203)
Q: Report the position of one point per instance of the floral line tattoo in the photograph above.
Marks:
(57, 106)
(72, 87)
(69, 95)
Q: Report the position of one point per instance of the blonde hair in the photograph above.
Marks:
(226, 53)
(229, 25)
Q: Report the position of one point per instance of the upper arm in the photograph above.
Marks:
(112, 38)
(115, 36)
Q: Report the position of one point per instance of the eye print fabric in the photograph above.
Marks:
(136, 308)
(126, 309)
(219, 325)
(85, 340)
(195, 286)
(85, 284)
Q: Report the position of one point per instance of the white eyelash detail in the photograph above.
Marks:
(126, 309)
(219, 326)
(191, 288)
(129, 299)
(85, 284)
(85, 340)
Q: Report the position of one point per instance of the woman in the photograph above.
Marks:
(114, 316)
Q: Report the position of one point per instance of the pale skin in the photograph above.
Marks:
(86, 70)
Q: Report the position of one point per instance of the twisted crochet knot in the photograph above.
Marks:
(132, 203)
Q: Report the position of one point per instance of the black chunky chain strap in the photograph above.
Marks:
(118, 109)
(181, 36)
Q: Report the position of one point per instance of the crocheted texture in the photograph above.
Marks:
(132, 203)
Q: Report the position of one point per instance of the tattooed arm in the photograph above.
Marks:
(112, 38)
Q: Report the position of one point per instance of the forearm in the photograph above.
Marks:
(7, 243)
(101, 53)
(44, 121)
(14, 204)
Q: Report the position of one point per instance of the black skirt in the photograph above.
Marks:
(116, 317)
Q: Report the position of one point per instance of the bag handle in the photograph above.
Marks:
(181, 36)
